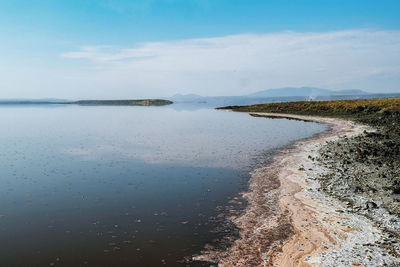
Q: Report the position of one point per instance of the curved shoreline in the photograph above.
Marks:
(289, 221)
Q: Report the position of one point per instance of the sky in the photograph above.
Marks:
(112, 49)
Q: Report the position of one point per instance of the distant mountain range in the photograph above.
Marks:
(309, 92)
(275, 95)
(304, 91)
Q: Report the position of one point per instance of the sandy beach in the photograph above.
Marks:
(290, 221)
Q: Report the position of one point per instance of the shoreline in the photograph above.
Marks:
(290, 221)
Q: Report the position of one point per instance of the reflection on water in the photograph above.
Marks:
(122, 186)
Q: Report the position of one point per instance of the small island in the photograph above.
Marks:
(134, 102)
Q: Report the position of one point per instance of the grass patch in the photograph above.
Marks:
(371, 111)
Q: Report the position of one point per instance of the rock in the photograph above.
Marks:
(371, 205)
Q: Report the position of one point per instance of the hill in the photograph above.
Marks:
(304, 91)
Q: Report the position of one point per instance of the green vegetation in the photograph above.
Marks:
(137, 102)
(372, 111)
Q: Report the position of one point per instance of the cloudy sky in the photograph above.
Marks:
(154, 48)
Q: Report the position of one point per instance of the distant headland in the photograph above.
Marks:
(126, 102)
(135, 102)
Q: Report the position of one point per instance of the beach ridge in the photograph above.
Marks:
(290, 221)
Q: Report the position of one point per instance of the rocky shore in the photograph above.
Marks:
(364, 173)
(332, 200)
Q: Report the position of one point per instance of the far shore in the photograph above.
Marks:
(123, 102)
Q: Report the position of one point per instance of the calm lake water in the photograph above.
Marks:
(123, 186)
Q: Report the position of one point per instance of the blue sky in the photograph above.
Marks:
(38, 40)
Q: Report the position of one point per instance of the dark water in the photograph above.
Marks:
(122, 186)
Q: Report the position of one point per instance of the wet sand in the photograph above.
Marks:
(290, 221)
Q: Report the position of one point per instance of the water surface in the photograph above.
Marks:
(123, 186)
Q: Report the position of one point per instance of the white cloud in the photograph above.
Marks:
(245, 63)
